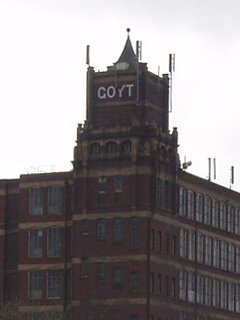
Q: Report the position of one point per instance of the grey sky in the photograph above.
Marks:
(42, 74)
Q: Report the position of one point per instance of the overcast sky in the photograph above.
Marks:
(43, 72)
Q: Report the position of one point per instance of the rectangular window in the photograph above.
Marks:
(85, 226)
(207, 291)
(134, 278)
(216, 293)
(117, 276)
(173, 288)
(54, 279)
(238, 259)
(174, 245)
(152, 282)
(102, 184)
(191, 286)
(182, 202)
(223, 216)
(54, 242)
(190, 208)
(230, 217)
(118, 183)
(237, 221)
(134, 232)
(207, 210)
(191, 245)
(159, 284)
(200, 248)
(152, 234)
(158, 193)
(215, 213)
(216, 253)
(117, 232)
(100, 272)
(224, 252)
(223, 303)
(36, 201)
(238, 298)
(199, 207)
(183, 285)
(200, 289)
(231, 297)
(84, 268)
(208, 251)
(183, 243)
(35, 285)
(231, 257)
(35, 246)
(101, 228)
(55, 200)
(159, 241)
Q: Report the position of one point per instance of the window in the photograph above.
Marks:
(152, 282)
(237, 221)
(159, 241)
(223, 255)
(216, 250)
(101, 229)
(231, 297)
(111, 147)
(102, 184)
(84, 268)
(158, 193)
(54, 283)
(230, 216)
(216, 293)
(85, 226)
(36, 201)
(223, 303)
(117, 276)
(167, 285)
(190, 208)
(207, 291)
(207, 210)
(134, 232)
(152, 234)
(35, 248)
(182, 202)
(191, 287)
(238, 298)
(100, 272)
(126, 146)
(54, 245)
(134, 278)
(231, 257)
(191, 245)
(200, 289)
(35, 278)
(200, 248)
(237, 259)
(119, 183)
(95, 148)
(174, 245)
(215, 213)
(55, 200)
(223, 216)
(183, 285)
(208, 251)
(159, 284)
(133, 317)
(199, 207)
(173, 288)
(117, 232)
(183, 243)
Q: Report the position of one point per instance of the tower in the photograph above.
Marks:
(125, 164)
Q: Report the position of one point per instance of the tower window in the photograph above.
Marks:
(95, 148)
(126, 146)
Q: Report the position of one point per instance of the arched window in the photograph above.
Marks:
(111, 147)
(95, 148)
(126, 146)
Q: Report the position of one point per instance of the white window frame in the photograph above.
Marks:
(35, 243)
(35, 284)
(55, 200)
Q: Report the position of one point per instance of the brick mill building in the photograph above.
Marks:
(127, 234)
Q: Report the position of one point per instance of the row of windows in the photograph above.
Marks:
(111, 148)
(163, 285)
(54, 242)
(54, 201)
(160, 240)
(203, 209)
(192, 316)
(210, 251)
(102, 184)
(35, 284)
(117, 230)
(209, 291)
(117, 275)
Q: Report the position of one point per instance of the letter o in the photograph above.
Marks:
(111, 92)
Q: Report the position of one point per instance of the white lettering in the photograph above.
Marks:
(129, 86)
(120, 91)
(101, 93)
(111, 92)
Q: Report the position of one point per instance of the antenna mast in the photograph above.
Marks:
(171, 70)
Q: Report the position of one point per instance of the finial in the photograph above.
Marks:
(128, 30)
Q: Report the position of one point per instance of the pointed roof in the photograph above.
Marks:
(128, 55)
